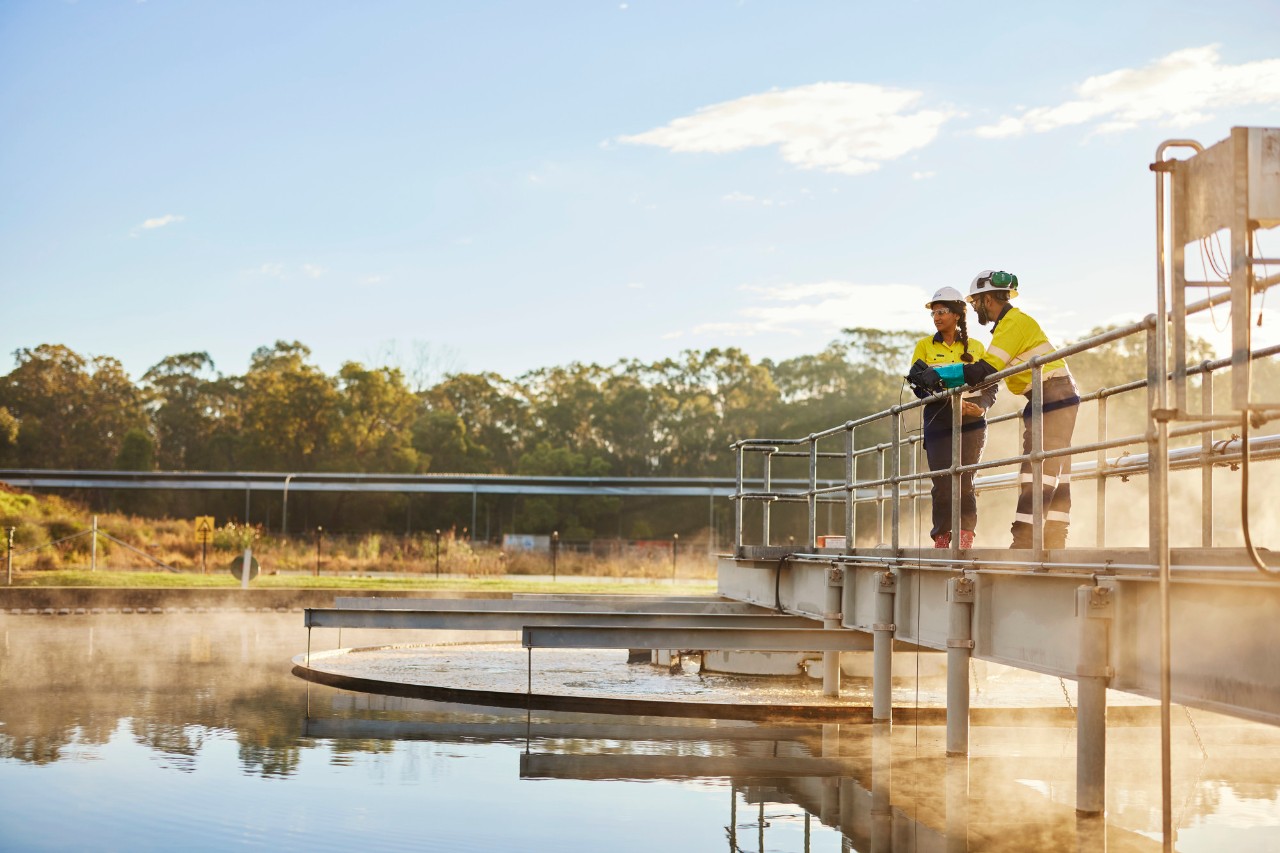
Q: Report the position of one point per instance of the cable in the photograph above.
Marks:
(1258, 562)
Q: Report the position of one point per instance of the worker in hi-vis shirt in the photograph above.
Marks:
(1016, 338)
(950, 346)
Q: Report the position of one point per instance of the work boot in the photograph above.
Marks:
(942, 540)
(1055, 534)
(966, 540)
(1021, 535)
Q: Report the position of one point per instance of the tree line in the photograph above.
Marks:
(672, 417)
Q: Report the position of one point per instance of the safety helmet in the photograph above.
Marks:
(945, 294)
(990, 280)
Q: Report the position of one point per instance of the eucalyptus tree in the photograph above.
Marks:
(70, 411)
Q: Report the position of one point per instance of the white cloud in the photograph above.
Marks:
(1180, 89)
(746, 198)
(156, 222)
(821, 309)
(371, 280)
(271, 269)
(313, 270)
(922, 176)
(849, 128)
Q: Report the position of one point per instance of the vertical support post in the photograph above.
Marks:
(829, 810)
(1241, 274)
(767, 502)
(675, 546)
(319, 537)
(812, 502)
(959, 648)
(895, 491)
(917, 448)
(882, 648)
(437, 553)
(737, 503)
(1093, 610)
(850, 493)
(733, 818)
(881, 788)
(247, 567)
(1100, 523)
(555, 547)
(1037, 462)
(248, 487)
(880, 500)
(8, 558)
(1206, 469)
(957, 804)
(93, 548)
(957, 458)
(831, 619)
(473, 514)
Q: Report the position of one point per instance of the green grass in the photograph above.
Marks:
(506, 583)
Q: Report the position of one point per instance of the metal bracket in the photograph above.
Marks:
(884, 626)
(960, 644)
(888, 582)
(1101, 602)
(1164, 415)
(835, 576)
(961, 590)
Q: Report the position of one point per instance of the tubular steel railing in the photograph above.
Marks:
(891, 485)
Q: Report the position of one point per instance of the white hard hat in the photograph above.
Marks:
(990, 280)
(945, 294)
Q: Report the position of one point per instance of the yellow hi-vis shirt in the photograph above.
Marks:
(933, 350)
(1016, 338)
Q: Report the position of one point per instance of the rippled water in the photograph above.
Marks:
(155, 732)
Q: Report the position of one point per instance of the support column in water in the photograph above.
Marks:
(1094, 610)
(882, 649)
(959, 649)
(831, 620)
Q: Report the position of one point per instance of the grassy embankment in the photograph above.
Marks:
(368, 561)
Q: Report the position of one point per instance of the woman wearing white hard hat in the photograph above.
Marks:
(943, 354)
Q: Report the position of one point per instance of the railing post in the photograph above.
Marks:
(1206, 468)
(896, 491)
(916, 449)
(1100, 523)
(813, 494)
(850, 493)
(766, 503)
(957, 458)
(880, 499)
(93, 548)
(1037, 462)
(737, 507)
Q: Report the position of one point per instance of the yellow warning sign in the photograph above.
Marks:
(204, 529)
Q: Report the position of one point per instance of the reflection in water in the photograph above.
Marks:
(157, 731)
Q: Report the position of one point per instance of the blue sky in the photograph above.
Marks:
(506, 186)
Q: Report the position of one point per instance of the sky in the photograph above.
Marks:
(505, 186)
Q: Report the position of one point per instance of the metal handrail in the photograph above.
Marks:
(887, 487)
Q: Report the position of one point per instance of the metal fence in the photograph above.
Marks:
(899, 474)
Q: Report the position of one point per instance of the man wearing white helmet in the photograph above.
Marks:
(1016, 338)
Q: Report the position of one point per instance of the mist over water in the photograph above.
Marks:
(151, 732)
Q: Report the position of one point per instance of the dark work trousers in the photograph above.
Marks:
(1061, 406)
(937, 449)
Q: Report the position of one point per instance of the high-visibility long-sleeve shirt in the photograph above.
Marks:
(933, 350)
(1015, 338)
